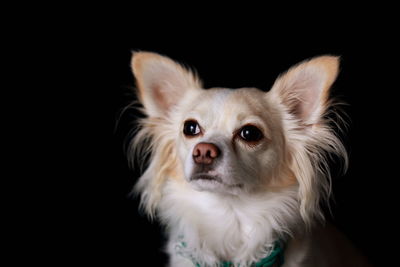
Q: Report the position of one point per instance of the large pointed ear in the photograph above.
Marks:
(304, 89)
(161, 82)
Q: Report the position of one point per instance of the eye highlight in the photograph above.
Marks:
(250, 134)
(191, 128)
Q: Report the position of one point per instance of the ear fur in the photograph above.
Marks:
(161, 82)
(303, 95)
(304, 89)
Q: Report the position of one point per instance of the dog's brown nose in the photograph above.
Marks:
(205, 153)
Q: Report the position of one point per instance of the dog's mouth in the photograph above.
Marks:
(205, 178)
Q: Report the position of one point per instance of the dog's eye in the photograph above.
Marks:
(251, 133)
(191, 128)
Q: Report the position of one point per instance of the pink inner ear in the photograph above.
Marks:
(160, 97)
(304, 88)
(301, 90)
(166, 86)
(162, 82)
(309, 98)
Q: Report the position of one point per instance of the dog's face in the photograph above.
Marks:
(229, 141)
(236, 141)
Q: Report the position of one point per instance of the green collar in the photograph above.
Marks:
(275, 258)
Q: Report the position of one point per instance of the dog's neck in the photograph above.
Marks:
(274, 256)
(239, 229)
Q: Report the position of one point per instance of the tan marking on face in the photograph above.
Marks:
(283, 182)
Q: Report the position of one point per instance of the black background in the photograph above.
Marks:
(105, 225)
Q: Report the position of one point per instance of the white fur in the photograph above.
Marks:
(215, 227)
(269, 190)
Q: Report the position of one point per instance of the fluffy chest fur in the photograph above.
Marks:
(239, 229)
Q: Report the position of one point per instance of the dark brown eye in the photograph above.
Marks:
(251, 133)
(191, 128)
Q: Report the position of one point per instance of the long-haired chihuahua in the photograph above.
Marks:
(238, 176)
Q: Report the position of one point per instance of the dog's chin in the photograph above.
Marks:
(214, 183)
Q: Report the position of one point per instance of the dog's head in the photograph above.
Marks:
(236, 142)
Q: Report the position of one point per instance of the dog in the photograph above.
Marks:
(237, 176)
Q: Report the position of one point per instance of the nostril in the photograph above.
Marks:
(196, 152)
(212, 153)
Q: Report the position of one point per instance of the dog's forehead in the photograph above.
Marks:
(226, 108)
(231, 101)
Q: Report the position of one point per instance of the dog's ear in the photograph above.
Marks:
(161, 82)
(304, 89)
